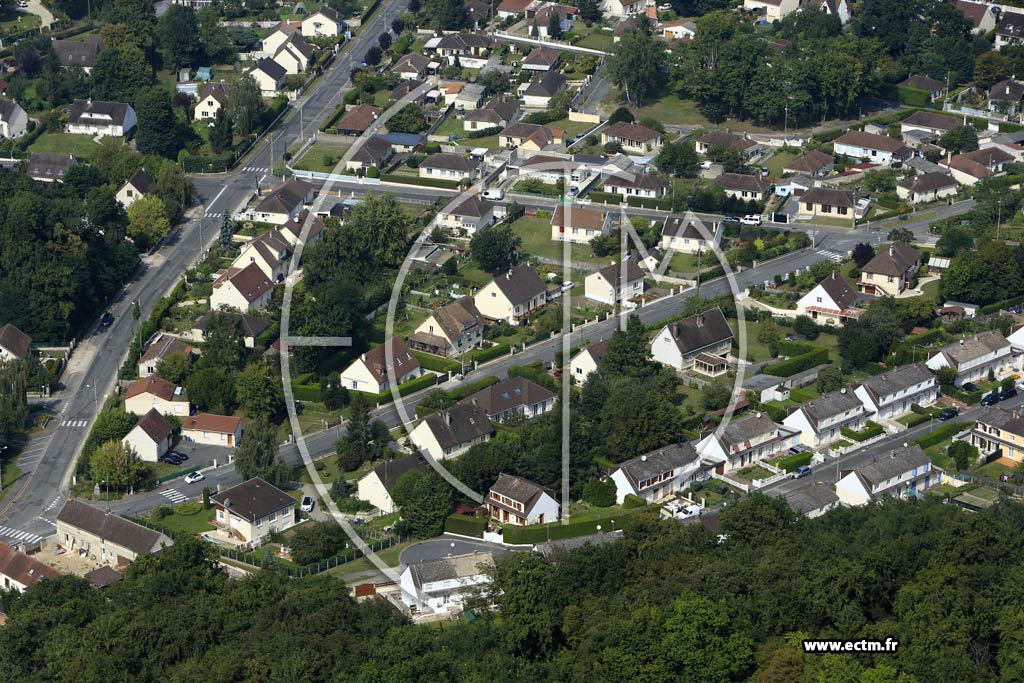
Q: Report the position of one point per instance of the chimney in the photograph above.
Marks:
(447, 418)
(892, 250)
(833, 275)
(700, 320)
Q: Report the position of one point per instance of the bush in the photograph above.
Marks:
(719, 488)
(791, 462)
(943, 433)
(599, 493)
(353, 505)
(190, 508)
(696, 486)
(465, 525)
(536, 373)
(870, 431)
(632, 502)
(436, 363)
(792, 366)
(158, 512)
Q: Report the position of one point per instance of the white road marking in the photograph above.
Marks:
(174, 495)
(7, 532)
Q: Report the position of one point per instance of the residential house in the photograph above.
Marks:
(411, 66)
(97, 118)
(373, 153)
(1009, 29)
(49, 167)
(471, 215)
(151, 436)
(325, 21)
(512, 296)
(679, 344)
(633, 138)
(450, 330)
(13, 119)
(980, 14)
(747, 187)
(519, 502)
(403, 142)
(452, 431)
(251, 326)
(469, 97)
(619, 282)
(449, 167)
(498, 112)
(1005, 97)
(658, 474)
(441, 586)
(212, 97)
(935, 88)
(540, 14)
(470, 50)
(547, 168)
(375, 486)
(646, 185)
(284, 202)
(774, 10)
(136, 187)
(271, 251)
(513, 8)
(820, 201)
(269, 76)
(253, 510)
(891, 270)
(212, 430)
(975, 357)
(370, 373)
(513, 399)
(104, 536)
(295, 55)
(879, 149)
(837, 8)
(20, 571)
(293, 230)
(80, 53)
(679, 30)
(530, 136)
(278, 35)
(151, 392)
(687, 234)
(242, 289)
(14, 344)
(577, 224)
(587, 361)
(101, 577)
(746, 440)
(622, 8)
(160, 348)
(813, 501)
(357, 119)
(929, 122)
(537, 94)
(999, 430)
(541, 59)
(902, 472)
(821, 421)
(894, 392)
(831, 302)
(929, 187)
(814, 163)
(970, 167)
(404, 87)
(727, 141)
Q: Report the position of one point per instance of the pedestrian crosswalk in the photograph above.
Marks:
(20, 536)
(174, 495)
(74, 424)
(53, 504)
(255, 169)
(213, 214)
(831, 255)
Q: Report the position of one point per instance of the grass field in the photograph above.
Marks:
(571, 128)
(778, 161)
(670, 108)
(363, 565)
(488, 141)
(314, 158)
(685, 263)
(930, 291)
(189, 524)
(64, 143)
(535, 232)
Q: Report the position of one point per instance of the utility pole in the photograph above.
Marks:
(999, 215)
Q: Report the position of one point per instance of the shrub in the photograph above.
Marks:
(465, 525)
(943, 433)
(599, 493)
(719, 488)
(157, 513)
(696, 486)
(792, 366)
(632, 501)
(190, 508)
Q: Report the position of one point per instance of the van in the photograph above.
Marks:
(494, 193)
(751, 219)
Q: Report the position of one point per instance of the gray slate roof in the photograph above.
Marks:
(520, 284)
(514, 392)
(111, 527)
(461, 423)
(450, 568)
(830, 405)
(811, 498)
(518, 489)
(901, 378)
(155, 425)
(613, 273)
(894, 261)
(747, 428)
(15, 341)
(97, 112)
(894, 464)
(657, 462)
(701, 330)
(977, 346)
(253, 499)
(390, 471)
(678, 226)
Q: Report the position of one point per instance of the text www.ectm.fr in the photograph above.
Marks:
(887, 645)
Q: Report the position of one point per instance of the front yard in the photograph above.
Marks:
(64, 143)
(322, 157)
(535, 232)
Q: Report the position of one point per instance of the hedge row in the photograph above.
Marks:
(409, 387)
(436, 363)
(870, 431)
(1000, 305)
(307, 392)
(371, 8)
(539, 533)
(484, 132)
(490, 353)
(465, 525)
(473, 387)
(793, 348)
(943, 433)
(912, 96)
(536, 373)
(917, 419)
(792, 366)
(791, 462)
(968, 397)
(928, 337)
(411, 180)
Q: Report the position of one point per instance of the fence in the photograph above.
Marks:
(731, 482)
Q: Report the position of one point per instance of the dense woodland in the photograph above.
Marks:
(665, 603)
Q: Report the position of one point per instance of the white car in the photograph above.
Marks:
(706, 165)
(751, 219)
(567, 285)
(22, 3)
(666, 6)
(194, 477)
(494, 193)
(688, 512)
(307, 504)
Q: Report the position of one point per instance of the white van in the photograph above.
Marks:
(494, 193)
(751, 219)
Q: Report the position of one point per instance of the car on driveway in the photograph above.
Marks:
(990, 399)
(801, 471)
(307, 504)
(1009, 392)
(172, 458)
(688, 512)
(948, 414)
(970, 386)
(194, 477)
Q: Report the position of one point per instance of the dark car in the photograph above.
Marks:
(107, 320)
(948, 414)
(970, 386)
(179, 455)
(1007, 393)
(990, 399)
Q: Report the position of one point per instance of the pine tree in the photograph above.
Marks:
(222, 133)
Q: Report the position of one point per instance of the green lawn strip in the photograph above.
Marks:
(65, 143)
(778, 162)
(189, 524)
(363, 565)
(315, 157)
(791, 462)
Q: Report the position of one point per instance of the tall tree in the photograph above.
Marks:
(496, 248)
(216, 40)
(225, 346)
(222, 132)
(256, 455)
(635, 65)
(121, 74)
(147, 221)
(555, 26)
(179, 35)
(678, 159)
(258, 391)
(13, 403)
(117, 466)
(628, 353)
(445, 15)
(430, 503)
(245, 106)
(157, 126)
(409, 119)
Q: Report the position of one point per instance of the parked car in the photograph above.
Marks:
(705, 165)
(765, 171)
(801, 471)
(23, 3)
(688, 512)
(990, 399)
(107, 320)
(194, 477)
(948, 414)
(751, 219)
(307, 504)
(179, 455)
(1007, 393)
(494, 193)
(970, 386)
(730, 219)
(172, 459)
(567, 285)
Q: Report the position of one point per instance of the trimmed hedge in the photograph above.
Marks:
(791, 462)
(1000, 305)
(912, 96)
(437, 363)
(917, 419)
(370, 9)
(793, 348)
(536, 373)
(483, 132)
(870, 431)
(473, 387)
(409, 387)
(968, 397)
(307, 392)
(943, 433)
(539, 533)
(796, 364)
(426, 182)
(490, 353)
(920, 410)
(465, 525)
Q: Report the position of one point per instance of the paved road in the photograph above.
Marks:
(445, 546)
(94, 365)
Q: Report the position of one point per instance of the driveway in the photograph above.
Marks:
(444, 547)
(36, 7)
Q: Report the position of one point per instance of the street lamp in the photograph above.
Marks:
(598, 529)
(95, 397)
(613, 525)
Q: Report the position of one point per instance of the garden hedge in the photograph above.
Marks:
(943, 433)
(797, 364)
(465, 525)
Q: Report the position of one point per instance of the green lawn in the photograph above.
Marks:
(189, 524)
(670, 108)
(930, 291)
(571, 128)
(778, 161)
(598, 39)
(452, 126)
(994, 469)
(755, 352)
(64, 143)
(316, 157)
(828, 220)
(488, 141)
(17, 22)
(364, 565)
(685, 263)
(535, 232)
